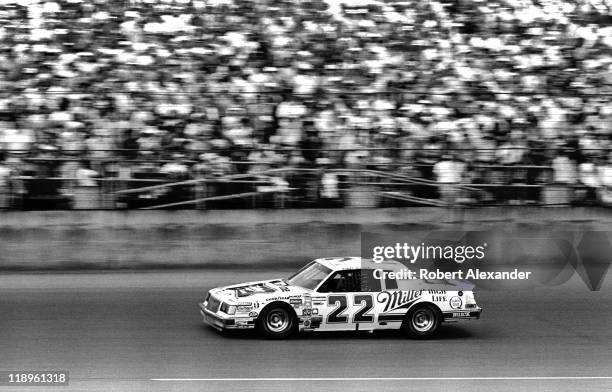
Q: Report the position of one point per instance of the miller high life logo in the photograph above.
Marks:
(398, 299)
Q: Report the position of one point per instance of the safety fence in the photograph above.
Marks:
(293, 187)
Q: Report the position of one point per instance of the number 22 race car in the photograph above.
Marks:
(340, 294)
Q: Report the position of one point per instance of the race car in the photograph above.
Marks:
(341, 294)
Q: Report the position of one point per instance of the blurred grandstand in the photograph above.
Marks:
(268, 103)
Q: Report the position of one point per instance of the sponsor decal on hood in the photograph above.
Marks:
(252, 288)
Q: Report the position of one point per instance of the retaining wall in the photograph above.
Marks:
(242, 238)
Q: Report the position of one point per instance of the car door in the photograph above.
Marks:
(386, 320)
(350, 301)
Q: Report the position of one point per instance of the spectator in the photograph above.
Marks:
(564, 169)
(310, 144)
(87, 194)
(5, 176)
(605, 179)
(330, 185)
(589, 178)
(194, 77)
(449, 172)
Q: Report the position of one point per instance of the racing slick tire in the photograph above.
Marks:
(422, 321)
(277, 321)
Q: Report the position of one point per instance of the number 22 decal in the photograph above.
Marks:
(362, 316)
(336, 315)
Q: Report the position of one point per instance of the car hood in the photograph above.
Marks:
(260, 290)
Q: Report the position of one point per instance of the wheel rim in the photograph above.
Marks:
(277, 320)
(423, 320)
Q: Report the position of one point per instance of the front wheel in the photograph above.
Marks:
(422, 322)
(276, 322)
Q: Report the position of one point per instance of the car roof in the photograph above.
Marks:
(351, 263)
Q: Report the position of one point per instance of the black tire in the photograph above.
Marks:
(422, 321)
(277, 321)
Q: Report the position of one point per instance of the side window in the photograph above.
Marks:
(369, 283)
(390, 284)
(331, 284)
(342, 282)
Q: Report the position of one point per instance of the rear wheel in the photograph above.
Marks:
(276, 322)
(422, 322)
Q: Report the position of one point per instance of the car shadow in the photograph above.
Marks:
(446, 332)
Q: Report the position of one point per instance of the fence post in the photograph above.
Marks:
(284, 195)
(201, 192)
(113, 195)
(101, 198)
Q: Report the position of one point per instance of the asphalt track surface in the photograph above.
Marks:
(119, 331)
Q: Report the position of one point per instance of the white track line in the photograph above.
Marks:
(390, 378)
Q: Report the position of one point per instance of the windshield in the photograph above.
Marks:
(310, 276)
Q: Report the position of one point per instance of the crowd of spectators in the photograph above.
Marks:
(213, 87)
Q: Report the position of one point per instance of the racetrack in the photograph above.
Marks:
(117, 331)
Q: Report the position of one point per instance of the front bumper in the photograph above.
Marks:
(223, 323)
(467, 314)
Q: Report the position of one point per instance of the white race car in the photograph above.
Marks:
(340, 294)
